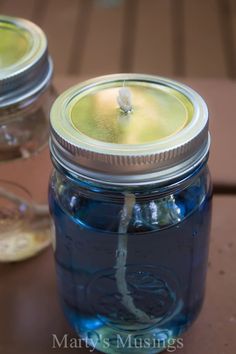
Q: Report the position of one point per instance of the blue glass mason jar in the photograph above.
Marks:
(130, 197)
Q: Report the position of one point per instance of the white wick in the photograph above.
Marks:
(121, 258)
(124, 100)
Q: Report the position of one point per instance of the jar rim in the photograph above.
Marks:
(132, 164)
(30, 72)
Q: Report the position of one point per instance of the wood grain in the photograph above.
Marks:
(59, 23)
(102, 49)
(186, 38)
(204, 45)
(22, 8)
(232, 35)
(153, 40)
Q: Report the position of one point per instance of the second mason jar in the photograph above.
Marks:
(130, 198)
(26, 95)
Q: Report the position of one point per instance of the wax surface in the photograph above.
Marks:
(158, 113)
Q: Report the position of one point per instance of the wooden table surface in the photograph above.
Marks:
(191, 38)
(29, 306)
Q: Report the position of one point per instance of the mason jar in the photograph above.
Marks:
(130, 198)
(26, 95)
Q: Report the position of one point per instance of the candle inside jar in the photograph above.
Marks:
(152, 114)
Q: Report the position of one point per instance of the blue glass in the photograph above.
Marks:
(142, 305)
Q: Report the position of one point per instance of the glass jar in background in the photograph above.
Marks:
(26, 95)
(130, 197)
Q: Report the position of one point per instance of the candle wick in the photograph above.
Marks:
(124, 99)
(121, 259)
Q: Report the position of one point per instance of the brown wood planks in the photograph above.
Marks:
(22, 8)
(59, 23)
(167, 37)
(204, 44)
(102, 49)
(153, 40)
(232, 42)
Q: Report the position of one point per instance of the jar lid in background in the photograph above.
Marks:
(25, 67)
(158, 133)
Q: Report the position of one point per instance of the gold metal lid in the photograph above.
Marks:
(25, 67)
(162, 134)
(96, 114)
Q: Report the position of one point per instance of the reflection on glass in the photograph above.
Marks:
(24, 226)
